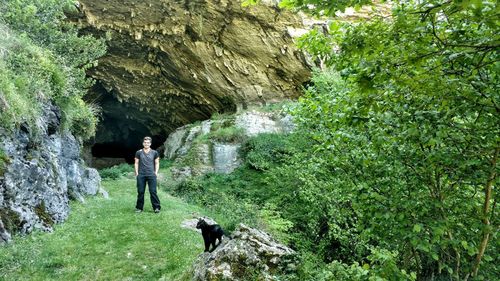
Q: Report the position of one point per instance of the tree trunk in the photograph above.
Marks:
(486, 207)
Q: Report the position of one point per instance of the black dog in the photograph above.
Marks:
(210, 234)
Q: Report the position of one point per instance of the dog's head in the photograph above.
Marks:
(201, 223)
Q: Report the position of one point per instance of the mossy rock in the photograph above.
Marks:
(4, 161)
(42, 213)
(11, 220)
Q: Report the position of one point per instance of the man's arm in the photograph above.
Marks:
(157, 165)
(136, 166)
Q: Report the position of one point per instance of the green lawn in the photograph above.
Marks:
(104, 239)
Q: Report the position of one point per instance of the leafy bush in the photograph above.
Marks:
(266, 150)
(235, 210)
(380, 265)
(165, 163)
(116, 172)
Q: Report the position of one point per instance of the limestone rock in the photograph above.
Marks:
(4, 235)
(250, 253)
(254, 123)
(41, 175)
(226, 157)
(176, 62)
(194, 157)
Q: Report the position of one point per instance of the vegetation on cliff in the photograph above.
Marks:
(42, 61)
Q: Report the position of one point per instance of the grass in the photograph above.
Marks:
(104, 239)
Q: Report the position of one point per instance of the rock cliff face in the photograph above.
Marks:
(213, 145)
(171, 63)
(39, 175)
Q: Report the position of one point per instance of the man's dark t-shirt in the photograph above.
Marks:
(147, 162)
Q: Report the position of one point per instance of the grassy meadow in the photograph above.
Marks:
(104, 239)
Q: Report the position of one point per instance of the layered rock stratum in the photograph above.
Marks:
(171, 63)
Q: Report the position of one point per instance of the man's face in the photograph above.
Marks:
(146, 143)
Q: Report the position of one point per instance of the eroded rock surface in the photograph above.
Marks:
(195, 153)
(251, 254)
(175, 62)
(40, 176)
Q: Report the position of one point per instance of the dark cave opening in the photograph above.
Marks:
(124, 149)
(120, 131)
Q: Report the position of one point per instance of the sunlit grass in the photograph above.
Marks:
(104, 239)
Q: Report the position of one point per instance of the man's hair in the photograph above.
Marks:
(147, 138)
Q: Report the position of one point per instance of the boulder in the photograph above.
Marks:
(251, 254)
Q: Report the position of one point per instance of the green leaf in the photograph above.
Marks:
(417, 228)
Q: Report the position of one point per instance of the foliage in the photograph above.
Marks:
(265, 151)
(380, 265)
(116, 172)
(275, 222)
(4, 160)
(10, 219)
(322, 7)
(411, 126)
(220, 194)
(43, 60)
(165, 163)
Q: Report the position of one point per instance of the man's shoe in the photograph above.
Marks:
(157, 211)
(138, 210)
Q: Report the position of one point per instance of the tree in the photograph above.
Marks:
(415, 134)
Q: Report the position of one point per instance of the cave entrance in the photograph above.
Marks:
(120, 131)
(120, 152)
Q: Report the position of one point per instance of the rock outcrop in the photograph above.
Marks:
(40, 174)
(197, 149)
(171, 63)
(250, 254)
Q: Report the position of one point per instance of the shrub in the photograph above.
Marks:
(116, 172)
(266, 150)
(233, 210)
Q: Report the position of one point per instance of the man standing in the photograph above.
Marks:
(147, 164)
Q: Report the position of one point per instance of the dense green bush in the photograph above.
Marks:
(205, 191)
(43, 60)
(410, 127)
(265, 150)
(116, 172)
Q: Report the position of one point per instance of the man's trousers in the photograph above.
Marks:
(141, 188)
